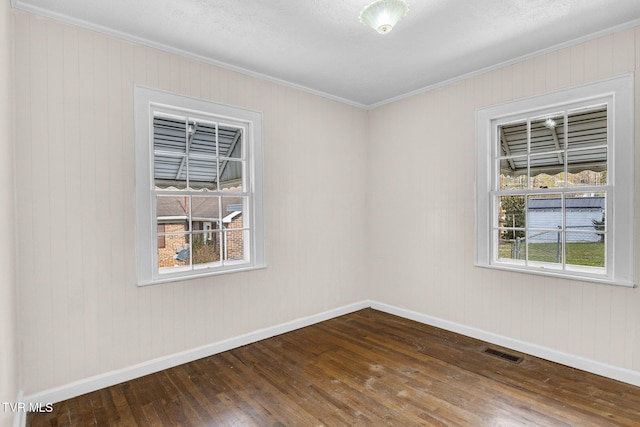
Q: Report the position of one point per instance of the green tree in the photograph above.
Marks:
(599, 226)
(514, 215)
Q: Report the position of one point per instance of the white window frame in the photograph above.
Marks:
(618, 93)
(147, 102)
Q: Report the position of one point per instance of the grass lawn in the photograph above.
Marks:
(589, 254)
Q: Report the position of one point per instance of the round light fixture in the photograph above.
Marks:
(382, 15)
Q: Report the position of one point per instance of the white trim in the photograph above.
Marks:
(618, 91)
(148, 101)
(593, 366)
(19, 5)
(108, 379)
(98, 382)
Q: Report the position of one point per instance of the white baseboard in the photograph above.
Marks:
(614, 372)
(108, 379)
(115, 377)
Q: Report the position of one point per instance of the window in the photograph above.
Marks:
(198, 187)
(554, 184)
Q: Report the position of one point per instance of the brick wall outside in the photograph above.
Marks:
(235, 244)
(171, 243)
(234, 240)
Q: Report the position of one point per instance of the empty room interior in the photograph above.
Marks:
(300, 213)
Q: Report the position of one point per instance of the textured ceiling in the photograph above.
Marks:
(321, 46)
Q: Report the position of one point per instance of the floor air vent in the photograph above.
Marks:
(501, 354)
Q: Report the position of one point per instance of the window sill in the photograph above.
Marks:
(570, 275)
(198, 274)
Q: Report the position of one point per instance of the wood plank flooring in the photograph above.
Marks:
(364, 369)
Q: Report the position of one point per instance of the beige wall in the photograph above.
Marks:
(81, 312)
(429, 179)
(8, 322)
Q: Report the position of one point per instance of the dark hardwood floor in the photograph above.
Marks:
(364, 369)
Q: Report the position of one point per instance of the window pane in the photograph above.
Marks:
(545, 246)
(513, 139)
(175, 254)
(206, 248)
(203, 173)
(512, 212)
(544, 212)
(551, 164)
(513, 173)
(544, 180)
(169, 134)
(205, 212)
(169, 172)
(587, 128)
(587, 167)
(234, 245)
(511, 245)
(230, 142)
(233, 209)
(586, 249)
(231, 175)
(585, 212)
(173, 210)
(588, 178)
(547, 134)
(202, 138)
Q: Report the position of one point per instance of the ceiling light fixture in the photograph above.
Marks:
(382, 15)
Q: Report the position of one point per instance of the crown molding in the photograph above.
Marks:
(589, 37)
(20, 5)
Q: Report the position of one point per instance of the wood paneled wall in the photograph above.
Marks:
(9, 365)
(81, 311)
(432, 178)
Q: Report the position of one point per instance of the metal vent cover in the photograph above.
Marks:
(501, 354)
